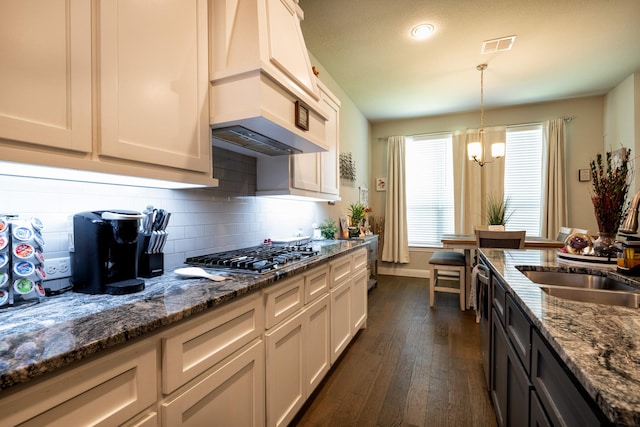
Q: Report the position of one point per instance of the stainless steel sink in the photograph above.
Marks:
(627, 299)
(584, 287)
(576, 280)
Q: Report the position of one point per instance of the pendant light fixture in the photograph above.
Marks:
(476, 149)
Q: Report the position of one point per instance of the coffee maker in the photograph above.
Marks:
(104, 257)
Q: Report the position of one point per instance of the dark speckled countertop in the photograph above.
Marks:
(600, 344)
(38, 339)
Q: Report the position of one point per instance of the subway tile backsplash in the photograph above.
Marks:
(203, 220)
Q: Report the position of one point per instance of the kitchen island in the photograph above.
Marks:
(43, 342)
(599, 344)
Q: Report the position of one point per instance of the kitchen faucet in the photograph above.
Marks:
(630, 224)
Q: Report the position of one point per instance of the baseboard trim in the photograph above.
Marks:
(404, 272)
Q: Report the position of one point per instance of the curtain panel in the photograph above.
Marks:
(554, 195)
(396, 240)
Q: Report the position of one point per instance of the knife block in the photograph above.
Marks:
(149, 265)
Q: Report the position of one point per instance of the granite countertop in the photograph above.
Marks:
(40, 338)
(599, 343)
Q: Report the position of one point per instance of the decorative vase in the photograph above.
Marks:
(603, 245)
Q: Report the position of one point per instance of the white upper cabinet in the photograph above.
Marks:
(153, 87)
(45, 77)
(111, 86)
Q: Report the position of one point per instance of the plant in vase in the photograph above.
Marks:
(496, 212)
(328, 229)
(356, 213)
(610, 177)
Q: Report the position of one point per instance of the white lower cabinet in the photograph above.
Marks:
(251, 362)
(231, 394)
(340, 319)
(359, 301)
(318, 341)
(108, 390)
(286, 370)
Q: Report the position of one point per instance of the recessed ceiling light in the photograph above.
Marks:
(422, 31)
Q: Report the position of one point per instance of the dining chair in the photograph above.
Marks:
(500, 239)
(447, 261)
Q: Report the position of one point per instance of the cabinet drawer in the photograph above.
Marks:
(340, 269)
(106, 391)
(316, 283)
(498, 296)
(359, 259)
(519, 332)
(202, 342)
(231, 395)
(283, 300)
(563, 402)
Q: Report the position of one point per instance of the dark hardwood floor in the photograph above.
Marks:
(412, 366)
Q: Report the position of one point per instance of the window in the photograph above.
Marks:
(429, 188)
(523, 177)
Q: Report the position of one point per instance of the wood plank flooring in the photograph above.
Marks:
(412, 366)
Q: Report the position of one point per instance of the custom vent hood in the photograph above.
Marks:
(264, 100)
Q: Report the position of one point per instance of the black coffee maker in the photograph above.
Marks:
(104, 258)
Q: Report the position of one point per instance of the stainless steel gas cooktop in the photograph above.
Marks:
(256, 259)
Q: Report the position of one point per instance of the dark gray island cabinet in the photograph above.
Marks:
(529, 383)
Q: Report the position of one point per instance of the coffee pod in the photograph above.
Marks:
(40, 273)
(24, 268)
(4, 297)
(3, 225)
(36, 224)
(24, 251)
(22, 233)
(39, 241)
(4, 241)
(39, 256)
(23, 286)
(40, 290)
(4, 260)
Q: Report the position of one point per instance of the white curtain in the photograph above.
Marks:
(396, 241)
(473, 184)
(554, 194)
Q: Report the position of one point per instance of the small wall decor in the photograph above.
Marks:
(347, 167)
(363, 197)
(381, 184)
(584, 175)
(302, 115)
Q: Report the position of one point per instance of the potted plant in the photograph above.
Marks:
(496, 212)
(610, 177)
(328, 229)
(356, 213)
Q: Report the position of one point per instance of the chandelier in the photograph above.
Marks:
(476, 149)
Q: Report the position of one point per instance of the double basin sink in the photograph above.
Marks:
(585, 287)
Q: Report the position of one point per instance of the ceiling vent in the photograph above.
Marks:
(498, 45)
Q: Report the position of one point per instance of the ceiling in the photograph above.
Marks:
(563, 49)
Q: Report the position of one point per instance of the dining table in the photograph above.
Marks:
(467, 242)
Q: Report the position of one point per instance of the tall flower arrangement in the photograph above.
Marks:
(610, 178)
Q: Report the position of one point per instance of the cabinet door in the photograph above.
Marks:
(318, 341)
(153, 87)
(329, 172)
(45, 77)
(231, 395)
(285, 356)
(340, 318)
(359, 301)
(510, 385)
(306, 171)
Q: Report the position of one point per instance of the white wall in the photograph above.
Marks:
(622, 119)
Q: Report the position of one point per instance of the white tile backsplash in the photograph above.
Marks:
(202, 220)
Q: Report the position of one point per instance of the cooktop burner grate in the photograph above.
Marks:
(256, 259)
